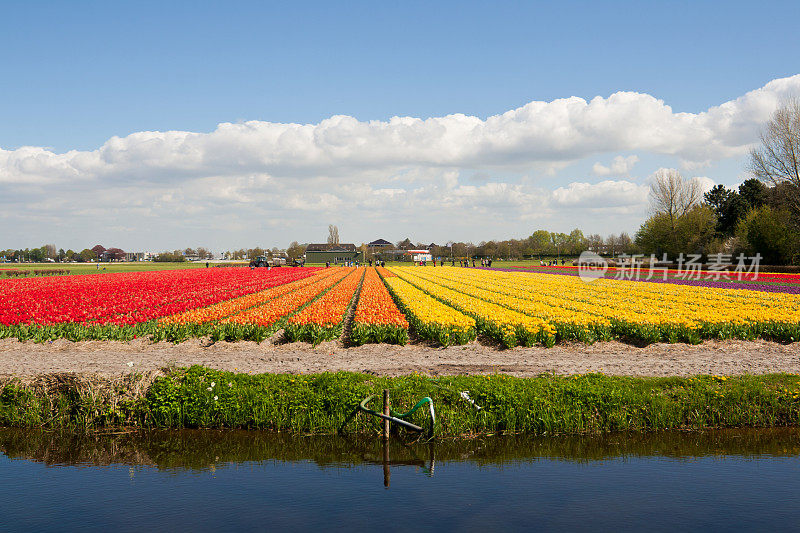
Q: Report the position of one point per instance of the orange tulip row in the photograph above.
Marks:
(384, 272)
(329, 310)
(375, 304)
(272, 311)
(228, 308)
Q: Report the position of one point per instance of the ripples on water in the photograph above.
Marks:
(215, 480)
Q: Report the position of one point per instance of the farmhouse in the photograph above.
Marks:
(333, 253)
(380, 243)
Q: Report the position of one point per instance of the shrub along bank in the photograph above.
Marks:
(323, 403)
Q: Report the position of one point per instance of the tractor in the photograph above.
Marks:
(260, 261)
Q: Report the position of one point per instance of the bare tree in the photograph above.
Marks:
(594, 242)
(612, 244)
(624, 243)
(672, 195)
(333, 234)
(777, 160)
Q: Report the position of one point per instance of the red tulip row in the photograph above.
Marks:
(130, 298)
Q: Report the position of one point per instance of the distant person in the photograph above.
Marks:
(206, 264)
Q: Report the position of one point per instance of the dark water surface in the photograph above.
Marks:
(212, 480)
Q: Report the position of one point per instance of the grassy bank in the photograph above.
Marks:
(322, 403)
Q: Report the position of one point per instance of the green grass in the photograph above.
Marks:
(104, 268)
(323, 403)
(377, 333)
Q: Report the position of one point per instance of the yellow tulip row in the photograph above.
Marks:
(431, 318)
(572, 308)
(654, 303)
(548, 308)
(506, 325)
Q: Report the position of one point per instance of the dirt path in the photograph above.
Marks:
(114, 358)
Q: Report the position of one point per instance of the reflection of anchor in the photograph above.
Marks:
(387, 462)
(427, 470)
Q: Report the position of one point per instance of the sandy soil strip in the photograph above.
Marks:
(114, 358)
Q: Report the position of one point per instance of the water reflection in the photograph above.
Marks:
(204, 449)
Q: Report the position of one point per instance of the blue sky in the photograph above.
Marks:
(76, 74)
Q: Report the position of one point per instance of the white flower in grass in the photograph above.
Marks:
(208, 389)
(216, 398)
(212, 384)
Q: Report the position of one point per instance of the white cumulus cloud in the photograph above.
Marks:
(538, 133)
(285, 180)
(606, 194)
(620, 166)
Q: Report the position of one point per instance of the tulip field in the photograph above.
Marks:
(445, 305)
(517, 308)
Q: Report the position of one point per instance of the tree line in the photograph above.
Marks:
(760, 216)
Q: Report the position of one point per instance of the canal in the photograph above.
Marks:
(195, 480)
